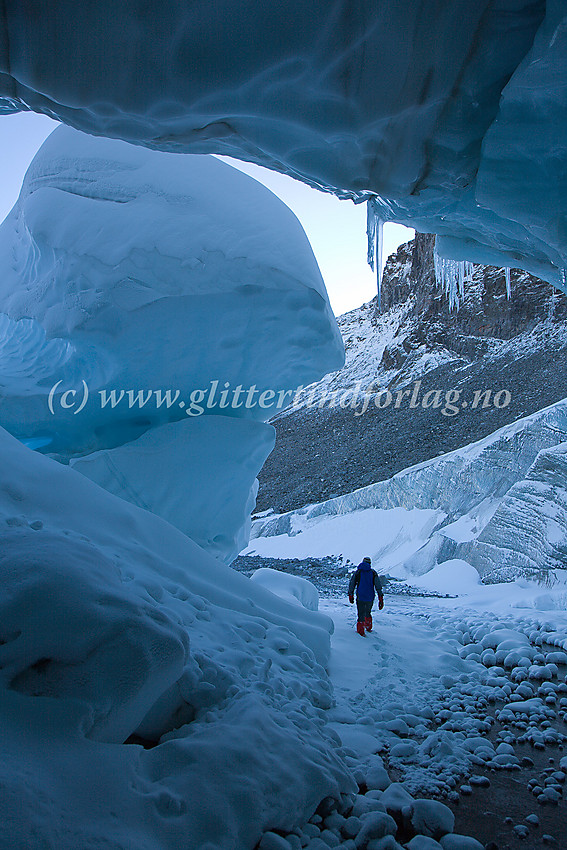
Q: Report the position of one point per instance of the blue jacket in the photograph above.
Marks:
(366, 581)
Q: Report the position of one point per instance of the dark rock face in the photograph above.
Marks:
(490, 343)
(485, 311)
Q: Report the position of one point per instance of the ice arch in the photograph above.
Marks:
(452, 112)
(129, 274)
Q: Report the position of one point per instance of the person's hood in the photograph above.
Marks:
(365, 566)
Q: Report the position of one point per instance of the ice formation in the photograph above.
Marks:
(375, 252)
(159, 285)
(131, 268)
(452, 117)
(451, 276)
(497, 504)
(125, 269)
(194, 474)
(112, 622)
(528, 531)
(294, 589)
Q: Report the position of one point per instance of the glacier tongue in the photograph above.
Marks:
(527, 534)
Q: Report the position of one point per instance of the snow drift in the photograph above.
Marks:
(112, 623)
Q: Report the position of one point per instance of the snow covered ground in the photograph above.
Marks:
(441, 717)
(461, 686)
(449, 697)
(150, 694)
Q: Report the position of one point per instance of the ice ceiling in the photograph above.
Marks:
(453, 113)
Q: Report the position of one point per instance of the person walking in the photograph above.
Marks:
(367, 584)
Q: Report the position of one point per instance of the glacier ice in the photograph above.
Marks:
(193, 474)
(528, 531)
(469, 504)
(121, 273)
(451, 117)
(132, 268)
(112, 624)
(452, 482)
(143, 283)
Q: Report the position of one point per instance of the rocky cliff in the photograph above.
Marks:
(501, 358)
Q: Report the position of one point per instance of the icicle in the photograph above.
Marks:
(379, 257)
(370, 233)
(508, 283)
(375, 234)
(563, 279)
(451, 276)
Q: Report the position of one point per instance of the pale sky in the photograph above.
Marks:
(336, 229)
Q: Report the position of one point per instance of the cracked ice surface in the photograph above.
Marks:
(454, 114)
(138, 270)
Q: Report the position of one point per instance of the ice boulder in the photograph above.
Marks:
(293, 588)
(142, 289)
(128, 273)
(199, 474)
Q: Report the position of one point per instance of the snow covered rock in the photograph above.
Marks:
(431, 818)
(423, 842)
(292, 588)
(273, 841)
(377, 778)
(375, 825)
(460, 842)
(396, 798)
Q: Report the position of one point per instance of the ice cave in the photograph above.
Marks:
(197, 453)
